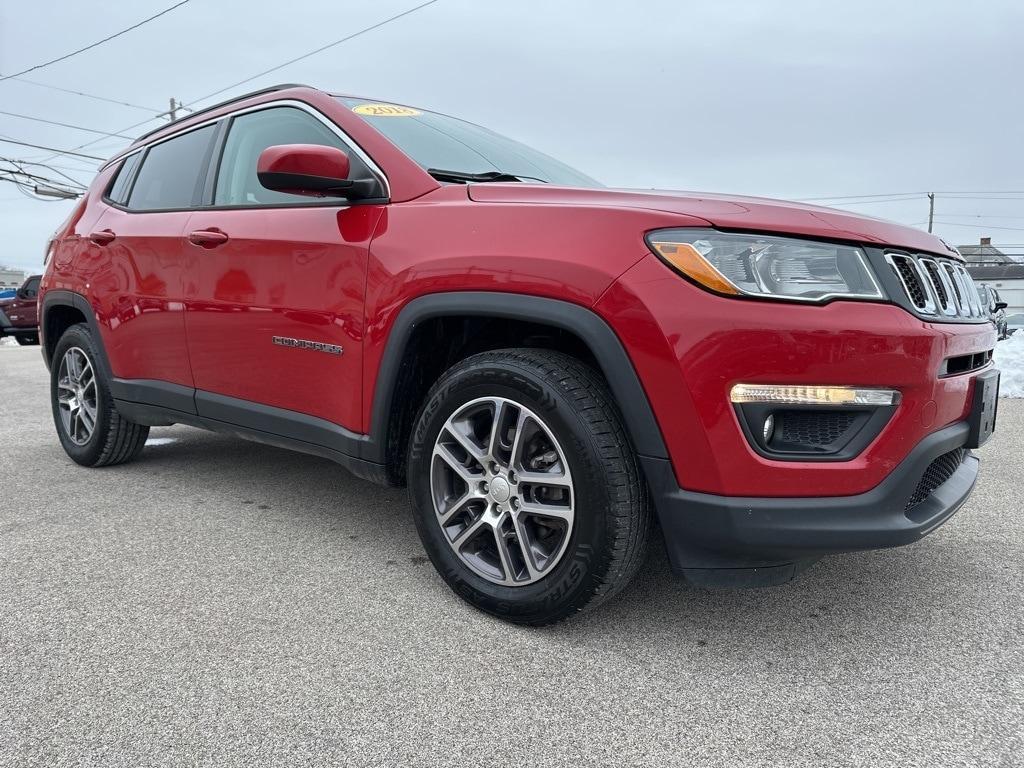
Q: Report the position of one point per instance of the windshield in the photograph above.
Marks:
(441, 143)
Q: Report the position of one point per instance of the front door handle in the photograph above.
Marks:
(207, 238)
(103, 237)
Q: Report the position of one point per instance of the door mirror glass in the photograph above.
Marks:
(305, 169)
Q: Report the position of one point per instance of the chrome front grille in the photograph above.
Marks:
(937, 286)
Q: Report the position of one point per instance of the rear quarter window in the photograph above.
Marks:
(169, 177)
(121, 185)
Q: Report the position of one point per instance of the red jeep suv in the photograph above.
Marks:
(545, 363)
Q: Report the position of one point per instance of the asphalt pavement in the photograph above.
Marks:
(223, 603)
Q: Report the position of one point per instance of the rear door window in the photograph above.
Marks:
(170, 173)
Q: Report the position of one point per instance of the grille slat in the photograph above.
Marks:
(936, 285)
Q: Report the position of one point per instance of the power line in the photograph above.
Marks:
(82, 93)
(19, 164)
(316, 51)
(93, 45)
(52, 149)
(911, 194)
(30, 191)
(59, 152)
(268, 71)
(976, 226)
(875, 202)
(66, 125)
(40, 185)
(976, 216)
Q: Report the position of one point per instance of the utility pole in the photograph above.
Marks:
(176, 105)
(931, 207)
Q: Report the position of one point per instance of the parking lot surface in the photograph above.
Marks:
(225, 603)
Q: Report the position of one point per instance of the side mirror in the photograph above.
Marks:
(1000, 305)
(307, 169)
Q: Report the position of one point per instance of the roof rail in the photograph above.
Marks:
(219, 104)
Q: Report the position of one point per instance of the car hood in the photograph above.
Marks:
(756, 214)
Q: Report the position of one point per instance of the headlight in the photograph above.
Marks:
(767, 266)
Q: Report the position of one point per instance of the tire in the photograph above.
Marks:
(113, 439)
(27, 341)
(558, 405)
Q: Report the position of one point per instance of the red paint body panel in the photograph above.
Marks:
(137, 283)
(305, 159)
(290, 272)
(444, 242)
(690, 347)
(749, 213)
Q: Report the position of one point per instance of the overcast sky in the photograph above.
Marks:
(784, 98)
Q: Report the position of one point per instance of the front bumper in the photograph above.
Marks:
(724, 541)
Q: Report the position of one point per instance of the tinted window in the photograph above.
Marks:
(123, 181)
(253, 132)
(446, 143)
(170, 172)
(31, 288)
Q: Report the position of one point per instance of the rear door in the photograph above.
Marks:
(276, 293)
(137, 279)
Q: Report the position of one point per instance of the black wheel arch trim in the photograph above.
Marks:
(615, 364)
(59, 297)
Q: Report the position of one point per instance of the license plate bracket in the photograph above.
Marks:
(982, 422)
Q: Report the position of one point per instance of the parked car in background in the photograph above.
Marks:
(996, 308)
(8, 293)
(19, 315)
(544, 362)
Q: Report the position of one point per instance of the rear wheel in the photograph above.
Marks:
(527, 494)
(90, 429)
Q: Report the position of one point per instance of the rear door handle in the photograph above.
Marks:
(103, 237)
(207, 238)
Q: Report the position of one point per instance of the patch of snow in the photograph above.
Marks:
(1009, 359)
(161, 440)
(7, 341)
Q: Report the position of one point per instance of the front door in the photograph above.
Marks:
(275, 285)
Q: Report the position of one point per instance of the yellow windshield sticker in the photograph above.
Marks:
(385, 110)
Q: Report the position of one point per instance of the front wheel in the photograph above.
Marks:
(526, 491)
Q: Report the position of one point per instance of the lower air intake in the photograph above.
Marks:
(938, 472)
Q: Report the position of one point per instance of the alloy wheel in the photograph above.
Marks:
(502, 491)
(76, 395)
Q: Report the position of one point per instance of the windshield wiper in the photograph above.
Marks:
(464, 177)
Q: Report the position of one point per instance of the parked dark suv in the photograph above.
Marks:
(19, 315)
(543, 361)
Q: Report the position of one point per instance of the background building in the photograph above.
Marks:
(11, 278)
(988, 264)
